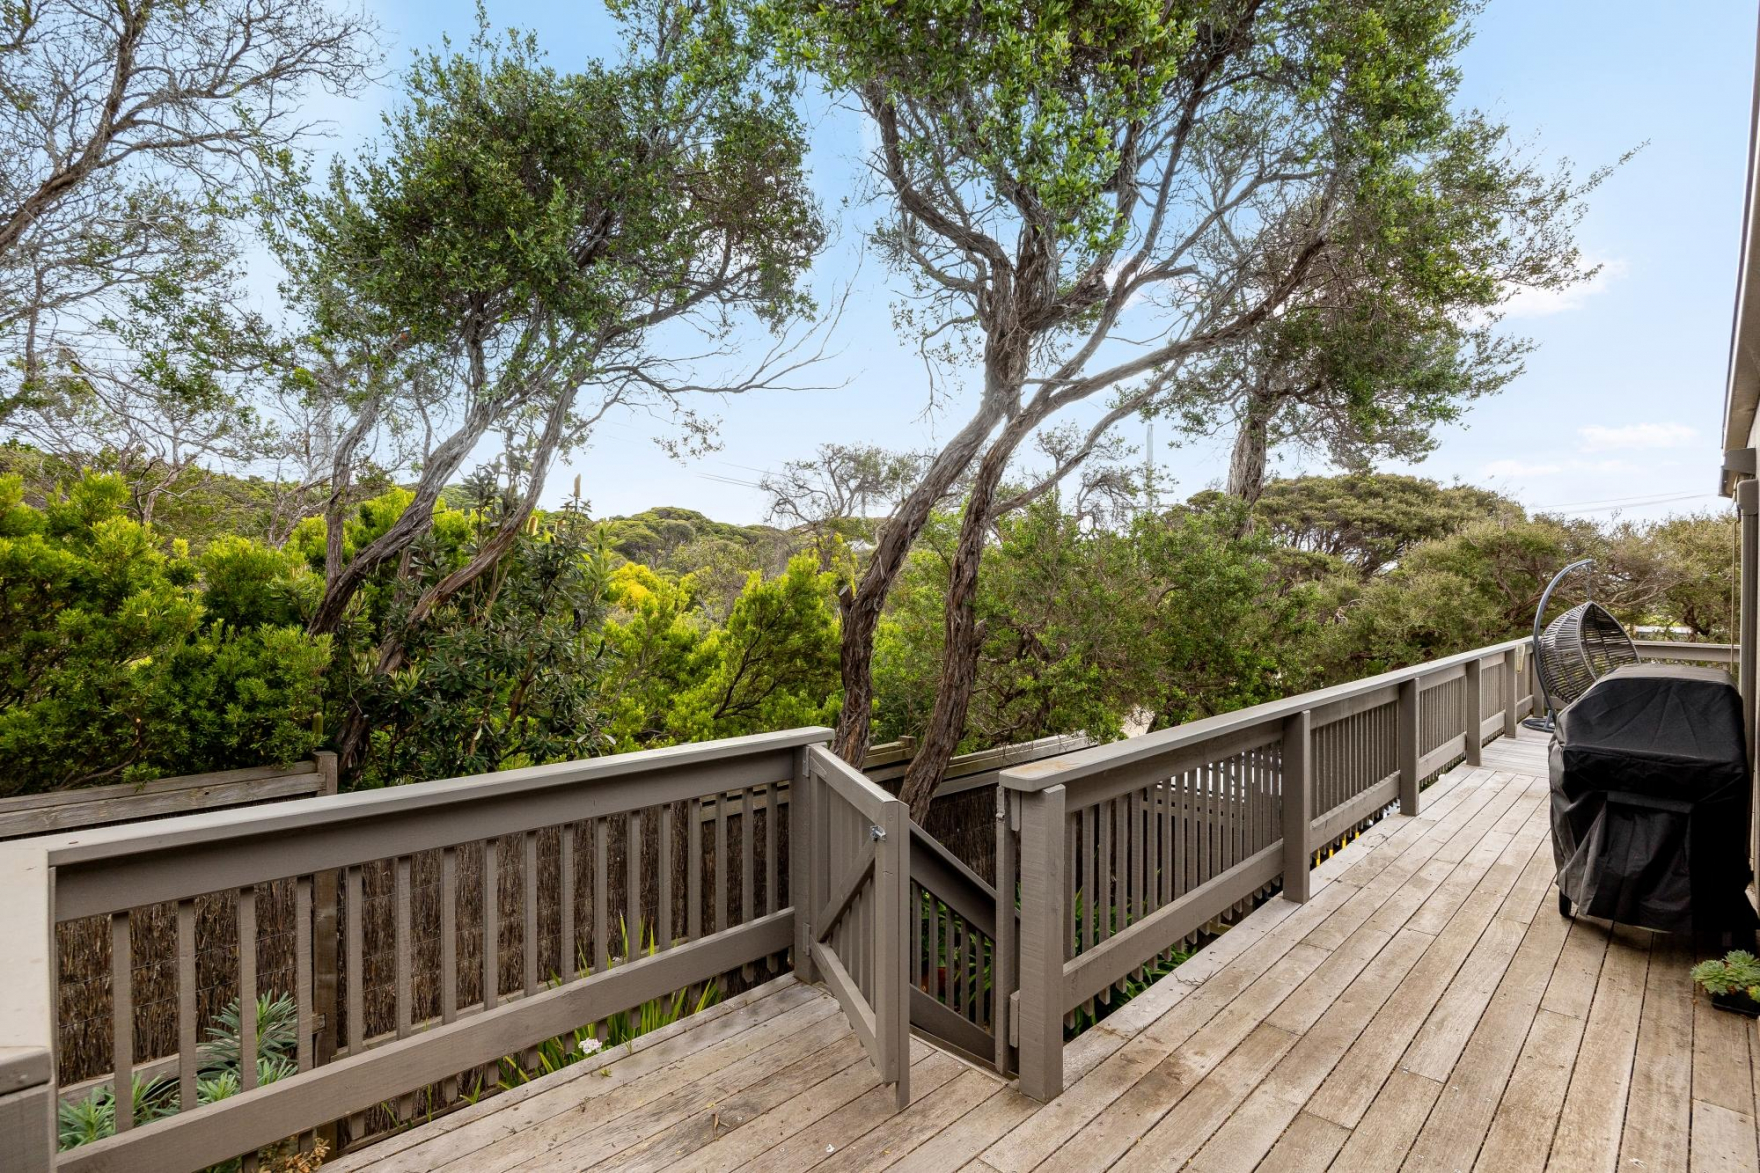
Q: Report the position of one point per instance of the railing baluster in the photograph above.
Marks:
(122, 1019)
(352, 935)
(188, 1060)
(529, 946)
(601, 895)
(1408, 746)
(1473, 696)
(567, 955)
(963, 951)
(302, 968)
(247, 987)
(800, 857)
(693, 870)
(721, 882)
(1070, 890)
(405, 990)
(1195, 828)
(1510, 688)
(663, 868)
(401, 945)
(772, 815)
(1139, 857)
(491, 923)
(748, 907)
(1297, 806)
(937, 969)
(449, 952)
(914, 946)
(1088, 858)
(632, 886)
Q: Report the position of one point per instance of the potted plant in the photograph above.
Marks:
(1733, 981)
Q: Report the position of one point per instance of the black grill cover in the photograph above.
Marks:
(1650, 800)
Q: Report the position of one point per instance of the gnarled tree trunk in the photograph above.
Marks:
(863, 606)
(963, 634)
(1246, 464)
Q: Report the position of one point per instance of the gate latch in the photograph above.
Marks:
(876, 833)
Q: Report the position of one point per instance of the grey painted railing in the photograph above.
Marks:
(650, 858)
(1672, 651)
(1124, 852)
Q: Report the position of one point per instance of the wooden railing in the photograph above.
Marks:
(83, 987)
(97, 806)
(1122, 853)
(1671, 651)
(659, 871)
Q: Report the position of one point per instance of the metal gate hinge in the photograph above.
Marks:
(876, 832)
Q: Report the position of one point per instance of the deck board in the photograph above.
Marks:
(1427, 1009)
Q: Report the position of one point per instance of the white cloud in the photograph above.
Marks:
(1516, 468)
(1599, 438)
(1543, 303)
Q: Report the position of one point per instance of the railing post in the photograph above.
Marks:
(1748, 504)
(1537, 702)
(1408, 746)
(1747, 656)
(892, 877)
(800, 865)
(1475, 687)
(1042, 943)
(325, 886)
(1007, 944)
(1298, 805)
(27, 1012)
(1511, 686)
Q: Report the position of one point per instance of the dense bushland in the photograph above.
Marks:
(126, 656)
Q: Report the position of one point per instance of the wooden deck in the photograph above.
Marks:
(1428, 1009)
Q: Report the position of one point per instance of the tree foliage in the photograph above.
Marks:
(1098, 200)
(113, 667)
(677, 677)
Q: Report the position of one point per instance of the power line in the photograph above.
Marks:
(1624, 503)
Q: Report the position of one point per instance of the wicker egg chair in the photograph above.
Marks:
(1576, 649)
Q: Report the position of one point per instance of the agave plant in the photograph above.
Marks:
(94, 1117)
(277, 1033)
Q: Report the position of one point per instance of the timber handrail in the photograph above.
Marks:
(1679, 650)
(1061, 771)
(93, 806)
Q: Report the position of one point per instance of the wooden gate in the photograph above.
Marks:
(858, 881)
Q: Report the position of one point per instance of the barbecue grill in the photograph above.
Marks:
(1649, 773)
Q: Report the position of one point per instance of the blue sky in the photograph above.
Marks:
(1617, 412)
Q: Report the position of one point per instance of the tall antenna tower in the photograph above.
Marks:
(1149, 469)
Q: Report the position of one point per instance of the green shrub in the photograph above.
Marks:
(1736, 972)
